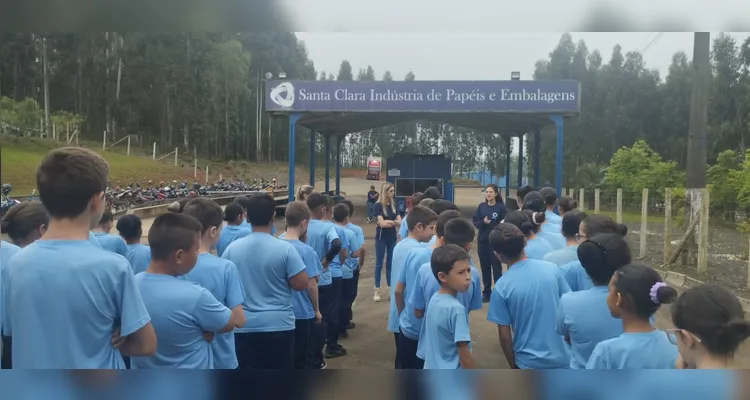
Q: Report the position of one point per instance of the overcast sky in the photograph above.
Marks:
(477, 56)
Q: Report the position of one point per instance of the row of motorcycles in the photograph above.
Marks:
(120, 198)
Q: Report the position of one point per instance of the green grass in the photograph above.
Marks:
(630, 217)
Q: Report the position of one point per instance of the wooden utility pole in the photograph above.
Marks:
(696, 153)
(46, 87)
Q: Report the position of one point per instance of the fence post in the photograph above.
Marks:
(195, 168)
(644, 222)
(748, 270)
(54, 132)
(128, 153)
(597, 192)
(703, 233)
(175, 156)
(667, 223)
(153, 154)
(619, 206)
(104, 141)
(563, 192)
(206, 175)
(581, 200)
(67, 133)
(572, 193)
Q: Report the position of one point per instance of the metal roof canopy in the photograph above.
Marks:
(337, 108)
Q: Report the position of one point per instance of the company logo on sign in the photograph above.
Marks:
(283, 95)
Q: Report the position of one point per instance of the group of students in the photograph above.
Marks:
(569, 298)
(75, 296)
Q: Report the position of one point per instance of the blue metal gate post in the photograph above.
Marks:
(312, 157)
(507, 168)
(537, 146)
(293, 118)
(327, 157)
(520, 161)
(339, 139)
(558, 120)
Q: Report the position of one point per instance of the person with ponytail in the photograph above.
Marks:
(566, 204)
(550, 198)
(591, 226)
(710, 327)
(536, 247)
(489, 213)
(634, 295)
(303, 192)
(570, 224)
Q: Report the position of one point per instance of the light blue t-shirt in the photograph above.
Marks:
(230, 233)
(537, 248)
(78, 293)
(273, 228)
(94, 240)
(265, 265)
(551, 228)
(563, 256)
(552, 218)
(113, 243)
(320, 235)
(526, 298)
(446, 324)
(180, 312)
(584, 317)
(355, 243)
(556, 240)
(408, 323)
(139, 256)
(360, 236)
(221, 278)
(403, 229)
(432, 241)
(576, 276)
(649, 350)
(301, 304)
(7, 250)
(344, 235)
(400, 251)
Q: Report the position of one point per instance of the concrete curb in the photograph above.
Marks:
(686, 282)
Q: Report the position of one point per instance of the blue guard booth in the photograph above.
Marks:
(412, 173)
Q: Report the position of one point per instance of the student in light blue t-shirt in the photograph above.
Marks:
(452, 229)
(109, 242)
(305, 302)
(234, 215)
(446, 343)
(591, 226)
(101, 300)
(549, 195)
(354, 265)
(524, 305)
(635, 294)
(583, 317)
(131, 231)
(270, 269)
(24, 224)
(569, 229)
(334, 325)
(534, 202)
(422, 229)
(352, 246)
(186, 316)
(536, 247)
(218, 275)
(403, 229)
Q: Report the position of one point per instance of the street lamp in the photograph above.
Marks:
(515, 76)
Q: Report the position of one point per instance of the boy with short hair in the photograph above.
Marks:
(421, 222)
(403, 230)
(355, 264)
(218, 275)
(234, 215)
(305, 303)
(186, 316)
(109, 242)
(243, 201)
(100, 296)
(447, 343)
(270, 270)
(341, 219)
(337, 216)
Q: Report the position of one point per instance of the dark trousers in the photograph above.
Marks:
(333, 325)
(348, 294)
(384, 247)
(396, 335)
(492, 268)
(325, 299)
(406, 354)
(265, 350)
(302, 341)
(7, 361)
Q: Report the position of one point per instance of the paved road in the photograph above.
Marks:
(370, 346)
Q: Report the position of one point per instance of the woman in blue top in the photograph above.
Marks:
(386, 234)
(536, 247)
(635, 293)
(487, 216)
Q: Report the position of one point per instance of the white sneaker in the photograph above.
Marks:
(376, 297)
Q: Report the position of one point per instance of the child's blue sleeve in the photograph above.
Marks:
(498, 311)
(416, 296)
(403, 230)
(211, 315)
(560, 324)
(598, 358)
(476, 293)
(460, 322)
(235, 291)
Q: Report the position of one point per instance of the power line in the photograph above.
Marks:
(652, 42)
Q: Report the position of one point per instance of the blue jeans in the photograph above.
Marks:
(382, 246)
(371, 210)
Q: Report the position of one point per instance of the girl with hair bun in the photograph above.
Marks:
(539, 219)
(710, 326)
(25, 223)
(536, 247)
(566, 204)
(635, 293)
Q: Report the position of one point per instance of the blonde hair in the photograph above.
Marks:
(304, 191)
(384, 198)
